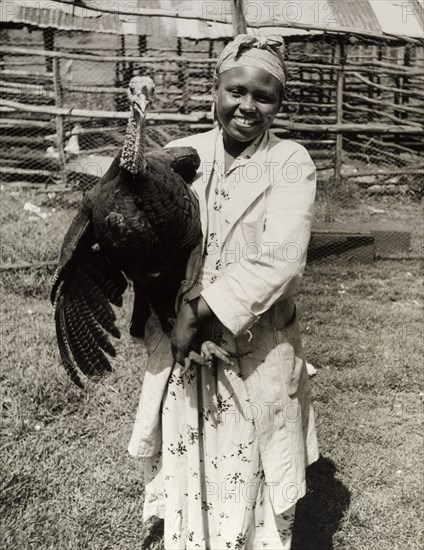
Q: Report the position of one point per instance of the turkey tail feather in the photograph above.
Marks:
(78, 238)
(90, 323)
(83, 289)
(94, 294)
(110, 281)
(63, 343)
(87, 353)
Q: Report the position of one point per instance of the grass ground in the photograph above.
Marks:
(68, 482)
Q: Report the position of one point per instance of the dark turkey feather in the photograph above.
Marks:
(88, 355)
(100, 308)
(111, 284)
(139, 222)
(63, 343)
(78, 238)
(90, 323)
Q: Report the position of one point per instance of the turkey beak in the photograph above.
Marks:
(140, 105)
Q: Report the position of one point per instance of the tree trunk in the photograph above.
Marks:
(239, 21)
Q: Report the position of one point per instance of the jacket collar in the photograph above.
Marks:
(253, 171)
(254, 178)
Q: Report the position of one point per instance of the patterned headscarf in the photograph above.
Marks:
(262, 52)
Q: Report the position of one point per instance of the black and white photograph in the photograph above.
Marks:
(212, 318)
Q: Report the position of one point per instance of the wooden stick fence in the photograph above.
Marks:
(59, 118)
(338, 128)
(351, 68)
(329, 102)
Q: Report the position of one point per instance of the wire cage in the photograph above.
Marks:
(354, 102)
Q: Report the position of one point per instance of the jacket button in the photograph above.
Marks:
(184, 282)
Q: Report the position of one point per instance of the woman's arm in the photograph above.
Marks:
(250, 287)
(191, 315)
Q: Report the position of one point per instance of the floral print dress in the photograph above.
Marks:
(208, 482)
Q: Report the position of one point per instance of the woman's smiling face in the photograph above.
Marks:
(247, 100)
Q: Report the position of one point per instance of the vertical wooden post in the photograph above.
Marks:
(59, 118)
(186, 86)
(210, 53)
(127, 67)
(239, 21)
(48, 42)
(120, 103)
(142, 45)
(398, 82)
(117, 77)
(405, 79)
(321, 86)
(332, 74)
(182, 75)
(339, 116)
(142, 48)
(371, 78)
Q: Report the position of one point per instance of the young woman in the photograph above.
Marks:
(226, 446)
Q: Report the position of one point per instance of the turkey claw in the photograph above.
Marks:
(208, 351)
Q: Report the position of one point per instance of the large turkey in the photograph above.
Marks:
(140, 222)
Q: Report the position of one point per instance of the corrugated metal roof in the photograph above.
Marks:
(379, 17)
(198, 30)
(354, 14)
(59, 16)
(399, 17)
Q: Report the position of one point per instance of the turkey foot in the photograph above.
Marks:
(208, 351)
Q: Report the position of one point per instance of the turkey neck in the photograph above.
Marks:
(133, 152)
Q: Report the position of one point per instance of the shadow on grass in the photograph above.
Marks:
(154, 539)
(319, 513)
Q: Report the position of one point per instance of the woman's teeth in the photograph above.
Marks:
(245, 121)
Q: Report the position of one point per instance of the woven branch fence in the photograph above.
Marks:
(356, 107)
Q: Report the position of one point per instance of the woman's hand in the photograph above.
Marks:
(189, 319)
